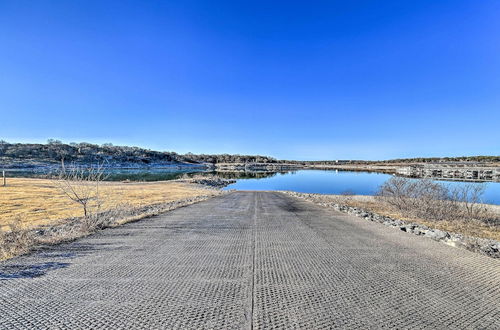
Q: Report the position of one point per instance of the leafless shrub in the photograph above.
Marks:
(429, 199)
(91, 223)
(469, 196)
(15, 240)
(434, 201)
(106, 218)
(81, 185)
(396, 191)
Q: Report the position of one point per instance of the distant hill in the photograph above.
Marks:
(461, 159)
(53, 153)
(18, 155)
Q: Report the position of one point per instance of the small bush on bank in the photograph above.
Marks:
(16, 240)
(430, 200)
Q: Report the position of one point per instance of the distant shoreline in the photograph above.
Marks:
(448, 172)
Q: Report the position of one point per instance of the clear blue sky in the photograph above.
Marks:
(290, 79)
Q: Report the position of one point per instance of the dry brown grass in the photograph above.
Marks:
(40, 202)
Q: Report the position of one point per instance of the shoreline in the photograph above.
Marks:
(434, 171)
(430, 229)
(202, 187)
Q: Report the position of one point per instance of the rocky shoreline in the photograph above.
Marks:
(256, 167)
(488, 247)
(212, 181)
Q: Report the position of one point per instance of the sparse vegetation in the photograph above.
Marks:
(18, 238)
(456, 209)
(37, 211)
(437, 205)
(431, 200)
(479, 159)
(81, 185)
(52, 153)
(39, 202)
(15, 240)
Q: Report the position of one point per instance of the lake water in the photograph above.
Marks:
(308, 181)
(338, 182)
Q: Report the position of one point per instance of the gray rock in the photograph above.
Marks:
(437, 234)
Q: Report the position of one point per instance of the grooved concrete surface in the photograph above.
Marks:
(251, 260)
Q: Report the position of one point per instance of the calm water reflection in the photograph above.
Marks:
(309, 181)
(337, 182)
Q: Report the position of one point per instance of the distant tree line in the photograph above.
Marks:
(478, 159)
(56, 151)
(227, 158)
(328, 162)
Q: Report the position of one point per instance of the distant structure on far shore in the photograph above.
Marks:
(463, 171)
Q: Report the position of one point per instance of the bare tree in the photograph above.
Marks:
(81, 185)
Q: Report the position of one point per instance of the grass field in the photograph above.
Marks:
(39, 202)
